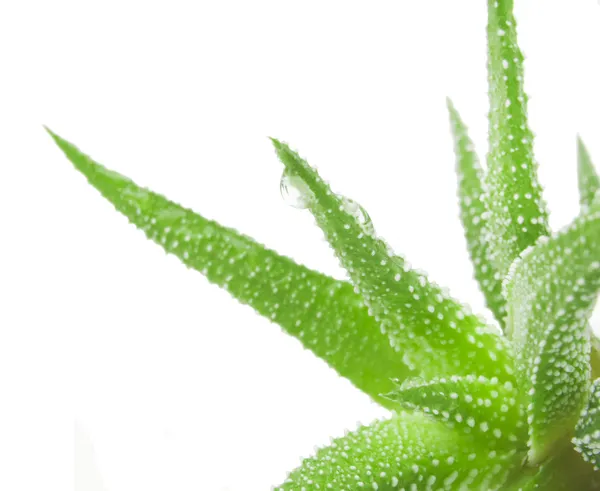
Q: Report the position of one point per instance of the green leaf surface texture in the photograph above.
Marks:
(435, 334)
(588, 179)
(409, 451)
(550, 292)
(486, 409)
(517, 212)
(326, 315)
(587, 431)
(474, 215)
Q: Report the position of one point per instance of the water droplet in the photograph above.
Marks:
(361, 215)
(294, 191)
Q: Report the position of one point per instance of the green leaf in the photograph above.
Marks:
(474, 215)
(587, 431)
(595, 359)
(324, 314)
(408, 451)
(589, 182)
(518, 213)
(436, 335)
(550, 293)
(487, 409)
(564, 471)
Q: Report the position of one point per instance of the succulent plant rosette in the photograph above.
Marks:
(511, 406)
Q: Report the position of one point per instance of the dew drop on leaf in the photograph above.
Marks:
(361, 215)
(294, 190)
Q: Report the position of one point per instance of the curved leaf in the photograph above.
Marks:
(550, 293)
(587, 431)
(518, 213)
(436, 335)
(324, 314)
(588, 179)
(485, 408)
(474, 215)
(408, 451)
(589, 183)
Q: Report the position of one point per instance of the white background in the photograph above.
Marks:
(173, 385)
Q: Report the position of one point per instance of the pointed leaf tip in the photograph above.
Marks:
(53, 135)
(423, 321)
(518, 214)
(474, 215)
(457, 402)
(276, 143)
(325, 314)
(588, 179)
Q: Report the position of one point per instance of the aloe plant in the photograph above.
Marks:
(474, 406)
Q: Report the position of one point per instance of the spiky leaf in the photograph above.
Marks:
(326, 315)
(518, 213)
(587, 431)
(474, 215)
(589, 182)
(550, 293)
(487, 409)
(436, 335)
(409, 451)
